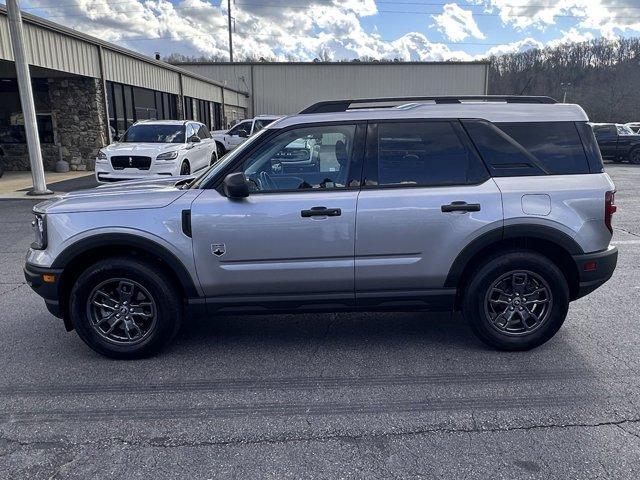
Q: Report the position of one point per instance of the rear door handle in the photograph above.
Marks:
(461, 207)
(321, 212)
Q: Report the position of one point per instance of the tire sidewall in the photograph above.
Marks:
(167, 307)
(489, 272)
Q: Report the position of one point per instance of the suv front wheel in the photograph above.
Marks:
(516, 300)
(125, 308)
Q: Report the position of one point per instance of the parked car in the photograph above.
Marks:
(498, 208)
(227, 140)
(157, 148)
(617, 142)
(634, 126)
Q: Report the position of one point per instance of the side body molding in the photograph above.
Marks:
(73, 251)
(540, 232)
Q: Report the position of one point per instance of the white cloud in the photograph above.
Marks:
(301, 30)
(513, 47)
(457, 24)
(573, 35)
(603, 15)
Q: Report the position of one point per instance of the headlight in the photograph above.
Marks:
(39, 225)
(102, 157)
(168, 155)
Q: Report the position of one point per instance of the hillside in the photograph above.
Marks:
(604, 76)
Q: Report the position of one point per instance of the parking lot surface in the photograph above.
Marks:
(384, 395)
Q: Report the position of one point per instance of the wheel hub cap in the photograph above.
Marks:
(518, 303)
(121, 311)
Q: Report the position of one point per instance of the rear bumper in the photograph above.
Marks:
(48, 291)
(594, 269)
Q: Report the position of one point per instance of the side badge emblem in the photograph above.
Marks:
(218, 249)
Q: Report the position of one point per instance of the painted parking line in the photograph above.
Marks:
(626, 242)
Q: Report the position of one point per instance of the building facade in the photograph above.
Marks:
(286, 88)
(87, 92)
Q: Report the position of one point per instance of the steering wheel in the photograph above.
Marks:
(265, 182)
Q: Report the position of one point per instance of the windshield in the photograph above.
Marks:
(624, 130)
(142, 133)
(213, 170)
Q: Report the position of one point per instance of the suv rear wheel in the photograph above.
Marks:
(516, 301)
(125, 308)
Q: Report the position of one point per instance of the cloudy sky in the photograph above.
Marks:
(334, 29)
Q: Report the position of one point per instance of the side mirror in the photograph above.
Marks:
(194, 139)
(235, 185)
(243, 133)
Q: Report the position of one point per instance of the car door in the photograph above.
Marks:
(235, 137)
(426, 195)
(206, 146)
(292, 239)
(607, 138)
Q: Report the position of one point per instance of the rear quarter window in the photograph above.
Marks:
(529, 148)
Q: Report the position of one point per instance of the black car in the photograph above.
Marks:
(617, 142)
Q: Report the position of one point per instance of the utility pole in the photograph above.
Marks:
(565, 86)
(230, 34)
(26, 99)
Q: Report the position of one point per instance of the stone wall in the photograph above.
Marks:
(79, 125)
(79, 119)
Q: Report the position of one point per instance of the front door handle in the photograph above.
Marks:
(321, 212)
(461, 207)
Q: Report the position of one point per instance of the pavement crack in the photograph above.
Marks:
(627, 231)
(353, 438)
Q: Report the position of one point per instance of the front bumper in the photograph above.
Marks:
(594, 269)
(49, 291)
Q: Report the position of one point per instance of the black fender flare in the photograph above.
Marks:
(539, 232)
(73, 251)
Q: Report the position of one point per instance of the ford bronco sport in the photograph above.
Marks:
(495, 206)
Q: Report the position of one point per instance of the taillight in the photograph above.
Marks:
(609, 208)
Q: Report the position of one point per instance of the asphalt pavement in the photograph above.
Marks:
(384, 395)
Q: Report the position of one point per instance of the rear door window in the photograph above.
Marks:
(429, 153)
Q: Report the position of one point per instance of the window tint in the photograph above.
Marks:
(604, 130)
(203, 132)
(556, 145)
(144, 133)
(424, 153)
(502, 154)
(302, 159)
(246, 126)
(260, 124)
(192, 130)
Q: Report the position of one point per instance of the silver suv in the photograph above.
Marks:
(495, 206)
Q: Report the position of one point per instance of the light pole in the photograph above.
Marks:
(26, 99)
(230, 35)
(565, 86)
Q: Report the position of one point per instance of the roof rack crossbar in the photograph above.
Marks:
(331, 106)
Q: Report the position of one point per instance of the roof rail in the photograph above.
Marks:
(331, 106)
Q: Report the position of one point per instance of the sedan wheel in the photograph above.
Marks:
(184, 169)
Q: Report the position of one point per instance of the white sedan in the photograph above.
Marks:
(157, 148)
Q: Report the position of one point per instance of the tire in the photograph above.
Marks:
(214, 158)
(135, 334)
(508, 321)
(634, 156)
(185, 168)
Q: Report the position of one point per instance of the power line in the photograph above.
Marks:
(403, 12)
(317, 2)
